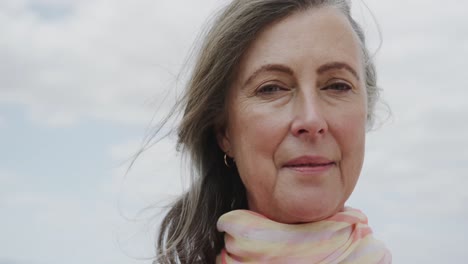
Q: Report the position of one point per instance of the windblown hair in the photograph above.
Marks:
(188, 232)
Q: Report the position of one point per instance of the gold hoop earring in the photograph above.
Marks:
(225, 161)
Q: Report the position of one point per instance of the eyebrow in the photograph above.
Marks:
(269, 68)
(337, 66)
(282, 68)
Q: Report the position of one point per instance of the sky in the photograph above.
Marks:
(83, 82)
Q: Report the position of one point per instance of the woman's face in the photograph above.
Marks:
(297, 115)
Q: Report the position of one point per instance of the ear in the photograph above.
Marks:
(222, 136)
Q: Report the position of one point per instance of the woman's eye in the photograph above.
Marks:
(269, 89)
(339, 86)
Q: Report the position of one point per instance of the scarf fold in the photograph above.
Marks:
(342, 238)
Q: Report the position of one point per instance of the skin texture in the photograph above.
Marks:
(292, 96)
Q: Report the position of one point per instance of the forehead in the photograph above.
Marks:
(302, 40)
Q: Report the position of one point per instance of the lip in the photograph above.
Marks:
(309, 164)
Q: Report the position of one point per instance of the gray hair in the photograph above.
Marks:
(188, 232)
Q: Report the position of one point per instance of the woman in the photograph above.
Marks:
(274, 122)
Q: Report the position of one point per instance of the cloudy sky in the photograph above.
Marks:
(80, 82)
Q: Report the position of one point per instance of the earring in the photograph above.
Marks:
(225, 161)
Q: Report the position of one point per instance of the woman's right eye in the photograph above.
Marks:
(270, 89)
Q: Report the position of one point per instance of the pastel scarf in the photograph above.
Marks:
(342, 238)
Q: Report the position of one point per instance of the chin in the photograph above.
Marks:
(312, 212)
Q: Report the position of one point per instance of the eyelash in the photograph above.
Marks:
(344, 87)
(268, 89)
(272, 88)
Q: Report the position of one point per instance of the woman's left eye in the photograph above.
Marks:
(339, 86)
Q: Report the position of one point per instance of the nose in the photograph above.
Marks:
(308, 118)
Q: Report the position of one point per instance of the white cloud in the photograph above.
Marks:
(8, 181)
(155, 177)
(105, 60)
(154, 181)
(53, 225)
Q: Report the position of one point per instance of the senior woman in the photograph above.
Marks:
(275, 116)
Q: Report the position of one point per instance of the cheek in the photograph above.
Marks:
(255, 136)
(350, 136)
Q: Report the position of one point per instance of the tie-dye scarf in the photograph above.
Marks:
(342, 238)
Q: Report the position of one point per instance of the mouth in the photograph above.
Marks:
(310, 164)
